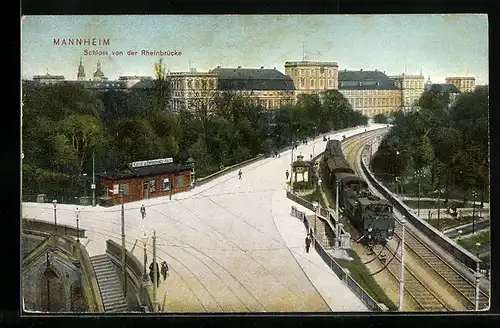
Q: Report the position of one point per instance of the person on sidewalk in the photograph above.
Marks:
(164, 270)
(308, 243)
(287, 174)
(239, 174)
(143, 211)
(151, 274)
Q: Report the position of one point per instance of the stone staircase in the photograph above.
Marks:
(324, 234)
(109, 284)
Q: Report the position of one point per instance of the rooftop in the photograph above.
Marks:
(365, 80)
(127, 171)
(444, 87)
(252, 79)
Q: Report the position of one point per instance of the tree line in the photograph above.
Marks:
(64, 125)
(445, 144)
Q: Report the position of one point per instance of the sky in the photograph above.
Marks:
(436, 45)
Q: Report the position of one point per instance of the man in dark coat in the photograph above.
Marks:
(308, 243)
(164, 270)
(157, 274)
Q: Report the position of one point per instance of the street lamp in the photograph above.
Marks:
(145, 244)
(124, 260)
(155, 274)
(402, 269)
(190, 161)
(478, 276)
(420, 174)
(474, 195)
(315, 205)
(77, 212)
(85, 184)
(93, 179)
(54, 202)
(440, 191)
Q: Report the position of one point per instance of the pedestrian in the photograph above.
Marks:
(143, 211)
(287, 174)
(164, 270)
(240, 173)
(308, 243)
(151, 273)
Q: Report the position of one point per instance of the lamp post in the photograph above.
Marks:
(402, 269)
(439, 209)
(93, 179)
(190, 161)
(84, 185)
(474, 195)
(124, 259)
(145, 244)
(54, 202)
(155, 274)
(315, 207)
(478, 277)
(420, 174)
(77, 212)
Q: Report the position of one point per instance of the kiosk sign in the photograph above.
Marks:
(152, 162)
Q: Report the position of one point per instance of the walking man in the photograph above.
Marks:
(240, 173)
(308, 243)
(164, 270)
(151, 274)
(143, 211)
(287, 174)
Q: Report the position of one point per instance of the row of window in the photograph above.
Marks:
(204, 83)
(316, 71)
(379, 102)
(312, 84)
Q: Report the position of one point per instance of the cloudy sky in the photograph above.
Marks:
(436, 45)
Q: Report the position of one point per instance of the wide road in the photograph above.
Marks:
(231, 245)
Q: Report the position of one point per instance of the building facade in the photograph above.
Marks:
(312, 76)
(267, 87)
(144, 180)
(448, 88)
(411, 86)
(370, 92)
(464, 84)
(48, 79)
(192, 90)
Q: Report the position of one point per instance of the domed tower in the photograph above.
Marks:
(80, 76)
(99, 75)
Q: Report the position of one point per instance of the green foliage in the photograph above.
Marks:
(450, 143)
(380, 118)
(63, 125)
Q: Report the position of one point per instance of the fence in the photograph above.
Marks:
(43, 226)
(342, 273)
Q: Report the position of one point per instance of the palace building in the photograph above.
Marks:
(192, 90)
(312, 76)
(370, 92)
(464, 84)
(411, 86)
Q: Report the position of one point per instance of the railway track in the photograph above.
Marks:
(433, 265)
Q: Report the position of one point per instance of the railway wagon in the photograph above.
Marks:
(371, 216)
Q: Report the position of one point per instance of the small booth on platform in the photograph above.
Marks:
(145, 179)
(302, 167)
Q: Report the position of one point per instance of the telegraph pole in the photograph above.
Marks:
(93, 179)
(124, 261)
(402, 269)
(337, 232)
(155, 274)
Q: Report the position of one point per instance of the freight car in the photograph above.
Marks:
(371, 216)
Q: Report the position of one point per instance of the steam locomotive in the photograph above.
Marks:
(372, 216)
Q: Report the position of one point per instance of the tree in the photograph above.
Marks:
(380, 118)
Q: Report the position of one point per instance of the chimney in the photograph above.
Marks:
(218, 66)
(239, 66)
(376, 70)
(262, 67)
(275, 68)
(361, 70)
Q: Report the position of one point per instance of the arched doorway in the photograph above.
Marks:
(52, 292)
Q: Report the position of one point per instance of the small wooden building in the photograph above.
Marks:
(144, 180)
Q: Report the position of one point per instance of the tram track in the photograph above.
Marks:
(429, 280)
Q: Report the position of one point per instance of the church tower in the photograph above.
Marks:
(81, 72)
(99, 75)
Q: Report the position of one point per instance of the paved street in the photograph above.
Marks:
(231, 244)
